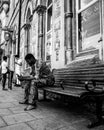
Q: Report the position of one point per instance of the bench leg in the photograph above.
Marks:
(44, 96)
(99, 120)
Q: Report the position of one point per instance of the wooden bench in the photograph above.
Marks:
(81, 82)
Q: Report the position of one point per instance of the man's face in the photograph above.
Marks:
(28, 61)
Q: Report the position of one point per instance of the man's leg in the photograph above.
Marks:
(26, 92)
(11, 77)
(32, 97)
(3, 81)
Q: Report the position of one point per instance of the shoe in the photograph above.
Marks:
(23, 102)
(30, 107)
(10, 88)
(17, 85)
(4, 89)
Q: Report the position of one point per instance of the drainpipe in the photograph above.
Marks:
(19, 27)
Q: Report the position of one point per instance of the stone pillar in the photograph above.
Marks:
(40, 10)
(40, 36)
(68, 31)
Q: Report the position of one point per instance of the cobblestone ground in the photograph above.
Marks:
(49, 115)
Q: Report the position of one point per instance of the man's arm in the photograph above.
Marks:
(18, 63)
(21, 78)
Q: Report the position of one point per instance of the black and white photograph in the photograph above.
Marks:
(51, 64)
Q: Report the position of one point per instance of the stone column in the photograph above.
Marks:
(40, 10)
(40, 36)
(68, 31)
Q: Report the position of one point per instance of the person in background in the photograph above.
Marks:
(4, 70)
(18, 63)
(11, 69)
(30, 92)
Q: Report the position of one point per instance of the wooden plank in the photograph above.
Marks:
(68, 92)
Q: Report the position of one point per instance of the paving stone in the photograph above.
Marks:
(82, 125)
(18, 109)
(6, 105)
(8, 100)
(68, 128)
(4, 112)
(22, 126)
(40, 114)
(17, 118)
(36, 114)
(2, 123)
(43, 124)
(17, 103)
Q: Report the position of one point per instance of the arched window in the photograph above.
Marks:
(49, 31)
(49, 15)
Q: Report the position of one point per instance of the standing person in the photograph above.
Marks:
(18, 63)
(4, 70)
(31, 92)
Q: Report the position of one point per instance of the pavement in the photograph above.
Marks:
(49, 115)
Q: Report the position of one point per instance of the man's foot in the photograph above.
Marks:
(23, 102)
(4, 89)
(30, 107)
(17, 85)
(10, 88)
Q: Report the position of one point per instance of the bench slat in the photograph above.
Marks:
(68, 91)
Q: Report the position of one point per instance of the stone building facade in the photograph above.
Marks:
(60, 32)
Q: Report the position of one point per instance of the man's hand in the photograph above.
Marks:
(36, 77)
(20, 77)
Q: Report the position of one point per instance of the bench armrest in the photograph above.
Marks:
(93, 90)
(88, 88)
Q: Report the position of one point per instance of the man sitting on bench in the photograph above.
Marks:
(45, 78)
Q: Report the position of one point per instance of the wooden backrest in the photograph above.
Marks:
(76, 77)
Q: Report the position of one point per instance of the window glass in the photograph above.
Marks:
(49, 2)
(49, 18)
(89, 27)
(83, 3)
(16, 1)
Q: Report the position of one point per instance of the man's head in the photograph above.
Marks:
(30, 59)
(5, 58)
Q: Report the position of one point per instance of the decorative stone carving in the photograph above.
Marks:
(5, 5)
(26, 26)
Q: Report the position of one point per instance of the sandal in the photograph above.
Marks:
(30, 107)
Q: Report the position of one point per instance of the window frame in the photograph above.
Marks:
(48, 7)
(78, 11)
(48, 31)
